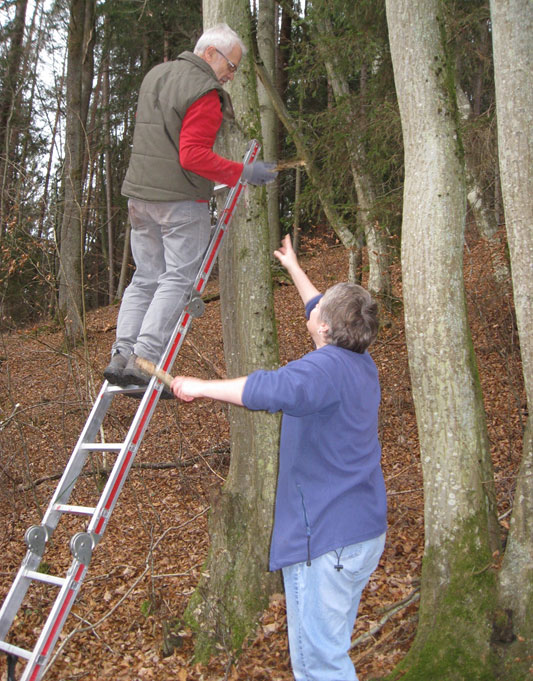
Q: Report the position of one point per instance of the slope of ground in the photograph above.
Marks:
(125, 623)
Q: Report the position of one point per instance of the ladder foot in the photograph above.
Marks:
(11, 663)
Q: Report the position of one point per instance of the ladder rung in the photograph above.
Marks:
(15, 650)
(43, 577)
(101, 446)
(79, 510)
(130, 389)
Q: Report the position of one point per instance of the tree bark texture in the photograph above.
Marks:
(453, 637)
(79, 81)
(236, 584)
(267, 13)
(512, 37)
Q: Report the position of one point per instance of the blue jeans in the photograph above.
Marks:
(322, 604)
(168, 242)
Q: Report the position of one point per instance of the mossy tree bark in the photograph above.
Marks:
(512, 36)
(461, 532)
(236, 584)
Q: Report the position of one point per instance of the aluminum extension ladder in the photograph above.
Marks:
(82, 544)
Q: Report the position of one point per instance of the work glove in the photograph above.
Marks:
(259, 173)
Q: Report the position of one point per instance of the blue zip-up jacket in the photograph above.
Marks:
(330, 491)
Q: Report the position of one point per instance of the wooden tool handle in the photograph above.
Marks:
(287, 165)
(151, 369)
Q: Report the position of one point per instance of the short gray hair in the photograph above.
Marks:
(351, 315)
(221, 36)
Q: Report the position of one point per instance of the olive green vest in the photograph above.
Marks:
(167, 91)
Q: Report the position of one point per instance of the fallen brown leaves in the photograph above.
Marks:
(144, 571)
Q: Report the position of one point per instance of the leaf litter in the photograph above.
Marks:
(126, 622)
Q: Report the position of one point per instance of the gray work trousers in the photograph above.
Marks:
(168, 242)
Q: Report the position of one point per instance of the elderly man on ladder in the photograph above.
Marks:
(169, 182)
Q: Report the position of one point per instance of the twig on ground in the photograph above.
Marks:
(381, 641)
(85, 621)
(393, 610)
(11, 416)
(396, 475)
(228, 667)
(147, 566)
(178, 574)
(219, 373)
(405, 491)
(165, 465)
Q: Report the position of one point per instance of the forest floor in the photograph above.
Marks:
(149, 562)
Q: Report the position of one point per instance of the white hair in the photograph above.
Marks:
(221, 36)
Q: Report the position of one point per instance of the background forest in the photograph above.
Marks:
(334, 76)
(403, 131)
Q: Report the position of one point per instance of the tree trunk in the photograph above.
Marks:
(512, 36)
(44, 207)
(235, 586)
(461, 532)
(123, 277)
(339, 226)
(485, 217)
(266, 42)
(108, 184)
(8, 100)
(79, 79)
(379, 283)
(284, 47)
(126, 250)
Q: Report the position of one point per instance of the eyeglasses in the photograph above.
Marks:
(232, 67)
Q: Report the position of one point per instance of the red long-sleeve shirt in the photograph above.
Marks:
(197, 137)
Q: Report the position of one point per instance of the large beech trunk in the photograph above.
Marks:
(512, 35)
(458, 587)
(236, 584)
